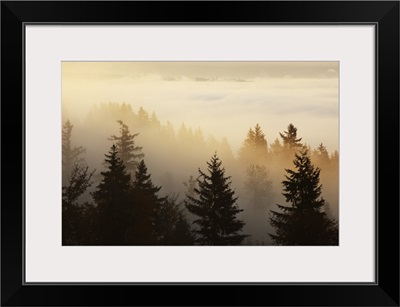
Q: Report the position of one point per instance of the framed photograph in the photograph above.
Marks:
(240, 147)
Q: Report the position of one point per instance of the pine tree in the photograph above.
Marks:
(78, 182)
(70, 154)
(255, 146)
(127, 151)
(74, 225)
(276, 147)
(146, 202)
(258, 186)
(303, 223)
(321, 156)
(216, 208)
(290, 140)
(113, 199)
(171, 225)
(76, 179)
(183, 234)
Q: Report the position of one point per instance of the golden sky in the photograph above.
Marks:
(223, 98)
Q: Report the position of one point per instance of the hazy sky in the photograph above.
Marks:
(223, 98)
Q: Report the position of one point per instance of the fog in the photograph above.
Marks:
(183, 113)
(272, 94)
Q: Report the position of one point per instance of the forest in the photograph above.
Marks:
(130, 179)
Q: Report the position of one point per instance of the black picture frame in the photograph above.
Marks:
(383, 14)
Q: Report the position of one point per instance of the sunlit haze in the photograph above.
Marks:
(252, 116)
(224, 99)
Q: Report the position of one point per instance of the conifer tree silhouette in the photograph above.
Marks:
(255, 146)
(127, 151)
(290, 140)
(215, 208)
(70, 154)
(304, 222)
(146, 202)
(113, 199)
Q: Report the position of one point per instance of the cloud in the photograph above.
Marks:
(223, 107)
(208, 96)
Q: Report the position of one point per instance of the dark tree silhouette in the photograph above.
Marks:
(142, 230)
(113, 199)
(171, 225)
(303, 223)
(290, 140)
(75, 226)
(79, 181)
(127, 151)
(255, 146)
(216, 208)
(76, 179)
(70, 154)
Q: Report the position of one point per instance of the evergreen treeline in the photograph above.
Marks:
(232, 202)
